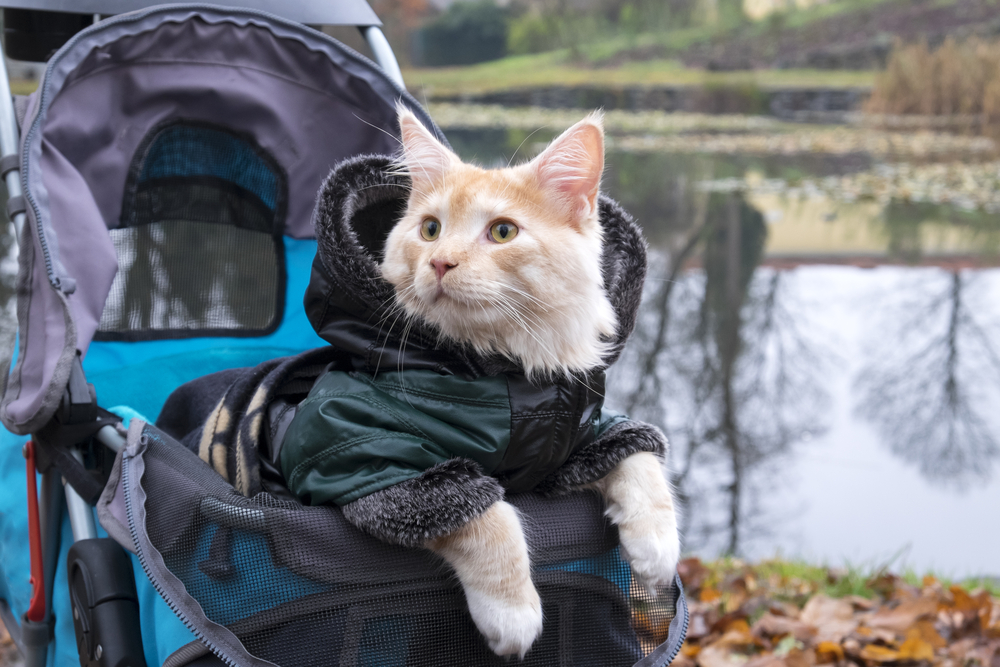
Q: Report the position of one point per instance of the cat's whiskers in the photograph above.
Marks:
(399, 363)
(513, 316)
(395, 309)
(544, 306)
(514, 154)
(380, 129)
(400, 311)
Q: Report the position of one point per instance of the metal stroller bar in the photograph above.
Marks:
(9, 145)
(383, 53)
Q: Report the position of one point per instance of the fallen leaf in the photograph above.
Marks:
(787, 609)
(786, 645)
(967, 604)
(915, 648)
(726, 621)
(877, 653)
(959, 649)
(859, 603)
(986, 655)
(734, 600)
(770, 625)
(821, 609)
(929, 634)
(739, 638)
(718, 655)
(737, 625)
(884, 584)
(709, 594)
(905, 614)
(697, 627)
(765, 660)
(829, 652)
(692, 573)
(800, 657)
(690, 650)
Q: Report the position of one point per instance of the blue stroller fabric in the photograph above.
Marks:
(139, 376)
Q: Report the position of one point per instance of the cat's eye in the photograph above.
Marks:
(503, 230)
(430, 228)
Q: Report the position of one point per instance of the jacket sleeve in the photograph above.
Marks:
(617, 438)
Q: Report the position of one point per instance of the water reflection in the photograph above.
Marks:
(720, 363)
(931, 383)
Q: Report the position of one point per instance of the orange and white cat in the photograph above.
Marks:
(509, 261)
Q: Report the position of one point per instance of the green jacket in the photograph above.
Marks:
(355, 434)
(402, 400)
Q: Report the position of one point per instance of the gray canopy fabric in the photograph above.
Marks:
(305, 98)
(314, 12)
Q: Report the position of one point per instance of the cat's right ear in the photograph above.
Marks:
(426, 159)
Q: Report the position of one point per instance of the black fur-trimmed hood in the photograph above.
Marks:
(349, 303)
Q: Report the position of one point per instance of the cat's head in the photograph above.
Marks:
(506, 260)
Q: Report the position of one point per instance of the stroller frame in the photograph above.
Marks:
(32, 634)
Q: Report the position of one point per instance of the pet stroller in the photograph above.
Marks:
(162, 190)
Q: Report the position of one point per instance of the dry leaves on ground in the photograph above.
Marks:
(746, 617)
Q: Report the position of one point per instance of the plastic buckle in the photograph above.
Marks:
(36, 610)
(79, 401)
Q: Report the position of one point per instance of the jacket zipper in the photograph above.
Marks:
(156, 585)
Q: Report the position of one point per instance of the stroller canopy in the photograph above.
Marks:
(311, 12)
(226, 119)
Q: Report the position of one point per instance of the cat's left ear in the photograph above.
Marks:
(571, 166)
(427, 159)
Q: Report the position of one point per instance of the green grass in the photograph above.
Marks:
(819, 12)
(554, 69)
(860, 580)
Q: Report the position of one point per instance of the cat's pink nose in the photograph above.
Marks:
(441, 267)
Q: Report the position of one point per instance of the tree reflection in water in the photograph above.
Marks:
(720, 363)
(930, 385)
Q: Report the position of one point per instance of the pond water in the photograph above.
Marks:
(827, 371)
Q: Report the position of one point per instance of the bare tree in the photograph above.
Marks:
(931, 391)
(720, 363)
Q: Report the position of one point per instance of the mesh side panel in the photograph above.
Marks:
(199, 242)
(183, 150)
(301, 587)
(189, 276)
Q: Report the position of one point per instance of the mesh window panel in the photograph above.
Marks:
(301, 587)
(199, 243)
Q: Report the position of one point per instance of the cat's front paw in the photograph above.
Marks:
(652, 547)
(509, 628)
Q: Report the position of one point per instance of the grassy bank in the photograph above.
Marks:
(555, 69)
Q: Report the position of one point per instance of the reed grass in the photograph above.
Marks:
(957, 79)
